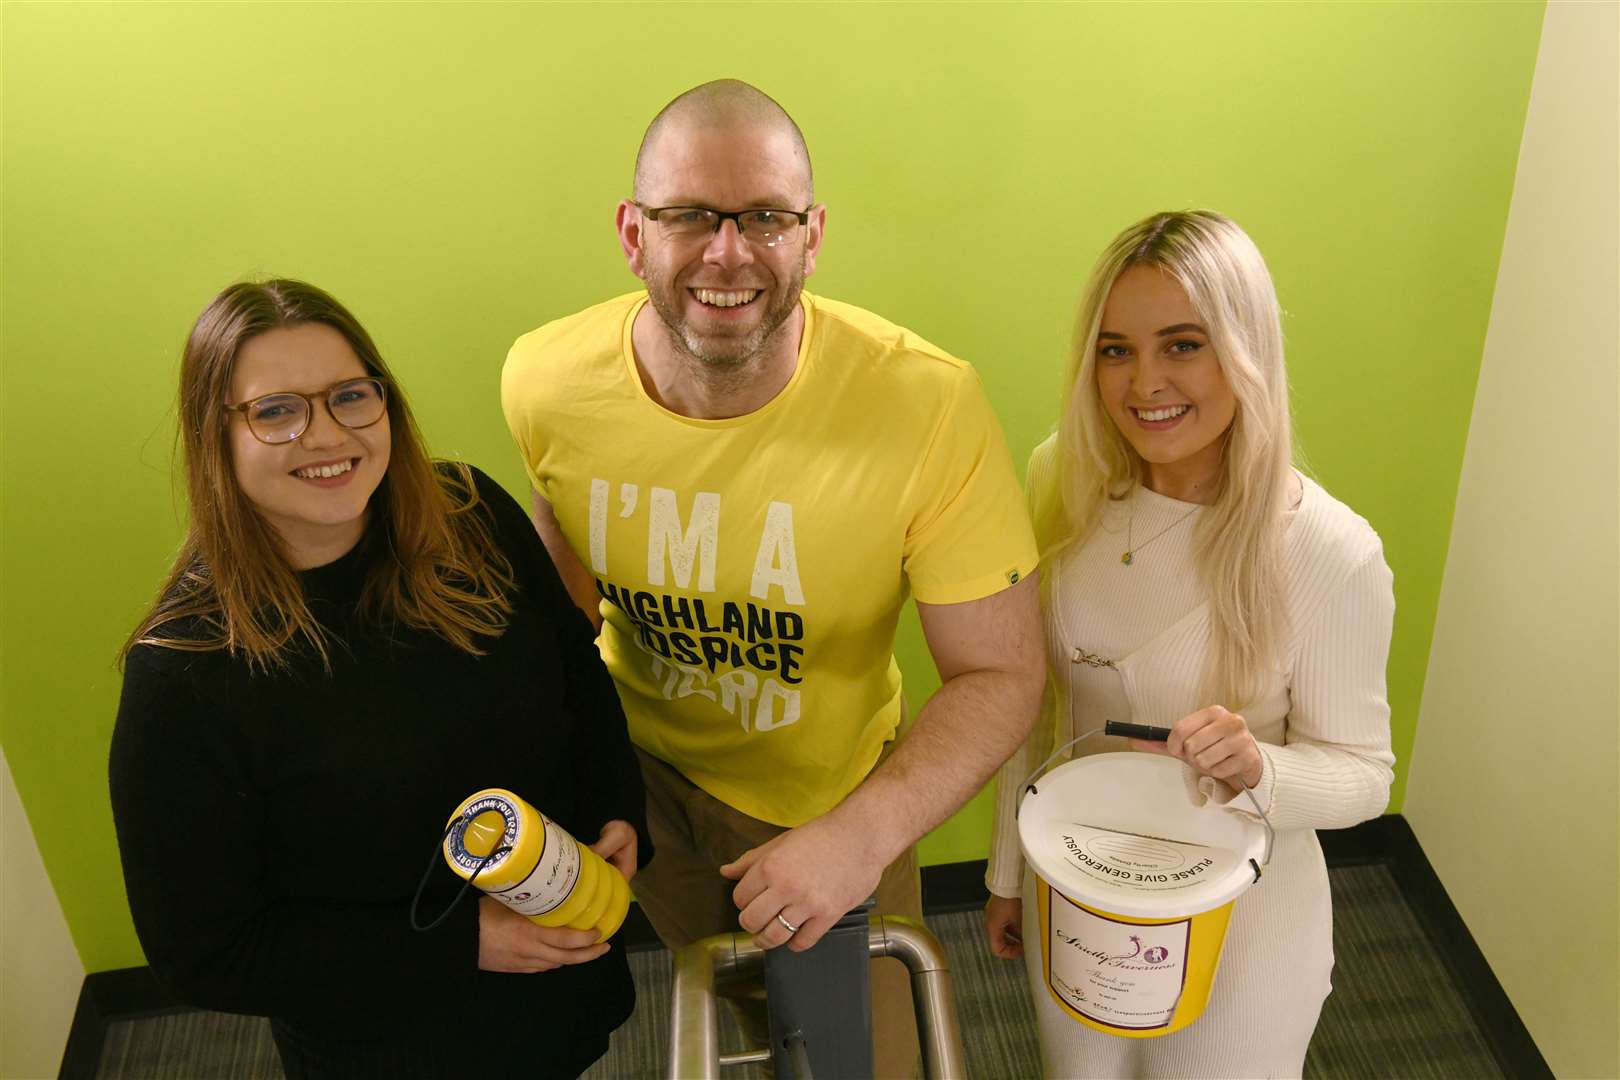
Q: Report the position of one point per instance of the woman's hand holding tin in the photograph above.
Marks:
(1216, 742)
(508, 941)
(617, 844)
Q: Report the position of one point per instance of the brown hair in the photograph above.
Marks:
(232, 586)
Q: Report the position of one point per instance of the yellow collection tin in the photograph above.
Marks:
(543, 873)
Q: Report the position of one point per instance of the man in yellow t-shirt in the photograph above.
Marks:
(741, 483)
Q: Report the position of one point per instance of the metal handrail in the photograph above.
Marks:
(910, 942)
(694, 1044)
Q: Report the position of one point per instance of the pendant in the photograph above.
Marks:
(1126, 558)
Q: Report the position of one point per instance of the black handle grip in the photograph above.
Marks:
(1136, 731)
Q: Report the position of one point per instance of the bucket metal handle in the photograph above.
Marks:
(1040, 770)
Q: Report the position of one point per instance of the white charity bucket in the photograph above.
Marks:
(1135, 885)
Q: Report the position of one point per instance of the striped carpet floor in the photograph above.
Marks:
(1394, 1011)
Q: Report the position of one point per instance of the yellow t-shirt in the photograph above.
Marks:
(752, 569)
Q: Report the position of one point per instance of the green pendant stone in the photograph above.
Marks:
(1126, 558)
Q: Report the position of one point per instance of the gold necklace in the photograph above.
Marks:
(1132, 548)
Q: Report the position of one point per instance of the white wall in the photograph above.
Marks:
(40, 972)
(1512, 790)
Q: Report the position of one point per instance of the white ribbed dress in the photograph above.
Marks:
(1323, 729)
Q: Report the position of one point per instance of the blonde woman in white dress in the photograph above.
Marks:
(1195, 580)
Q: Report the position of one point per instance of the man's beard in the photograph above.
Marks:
(734, 354)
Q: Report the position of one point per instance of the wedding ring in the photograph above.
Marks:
(791, 929)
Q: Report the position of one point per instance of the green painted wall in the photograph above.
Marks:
(450, 172)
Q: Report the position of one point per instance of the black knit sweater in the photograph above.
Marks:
(274, 827)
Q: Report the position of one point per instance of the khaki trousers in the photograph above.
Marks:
(685, 898)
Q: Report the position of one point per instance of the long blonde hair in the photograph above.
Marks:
(232, 586)
(1240, 536)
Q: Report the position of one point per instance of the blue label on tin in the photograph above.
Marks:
(456, 843)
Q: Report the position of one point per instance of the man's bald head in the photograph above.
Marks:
(724, 103)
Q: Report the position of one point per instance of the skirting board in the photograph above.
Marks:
(108, 996)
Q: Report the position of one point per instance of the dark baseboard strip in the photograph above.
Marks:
(960, 886)
(1358, 845)
(107, 996)
(957, 886)
(1503, 1030)
(82, 1055)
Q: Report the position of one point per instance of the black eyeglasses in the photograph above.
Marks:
(284, 416)
(765, 227)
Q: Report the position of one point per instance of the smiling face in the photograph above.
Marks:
(314, 491)
(723, 299)
(1161, 383)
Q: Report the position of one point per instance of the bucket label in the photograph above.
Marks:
(1115, 973)
(552, 879)
(1142, 863)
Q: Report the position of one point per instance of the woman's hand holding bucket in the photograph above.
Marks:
(1216, 742)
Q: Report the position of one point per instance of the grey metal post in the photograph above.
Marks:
(694, 1046)
(820, 1003)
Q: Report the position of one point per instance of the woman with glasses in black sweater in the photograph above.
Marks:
(352, 640)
